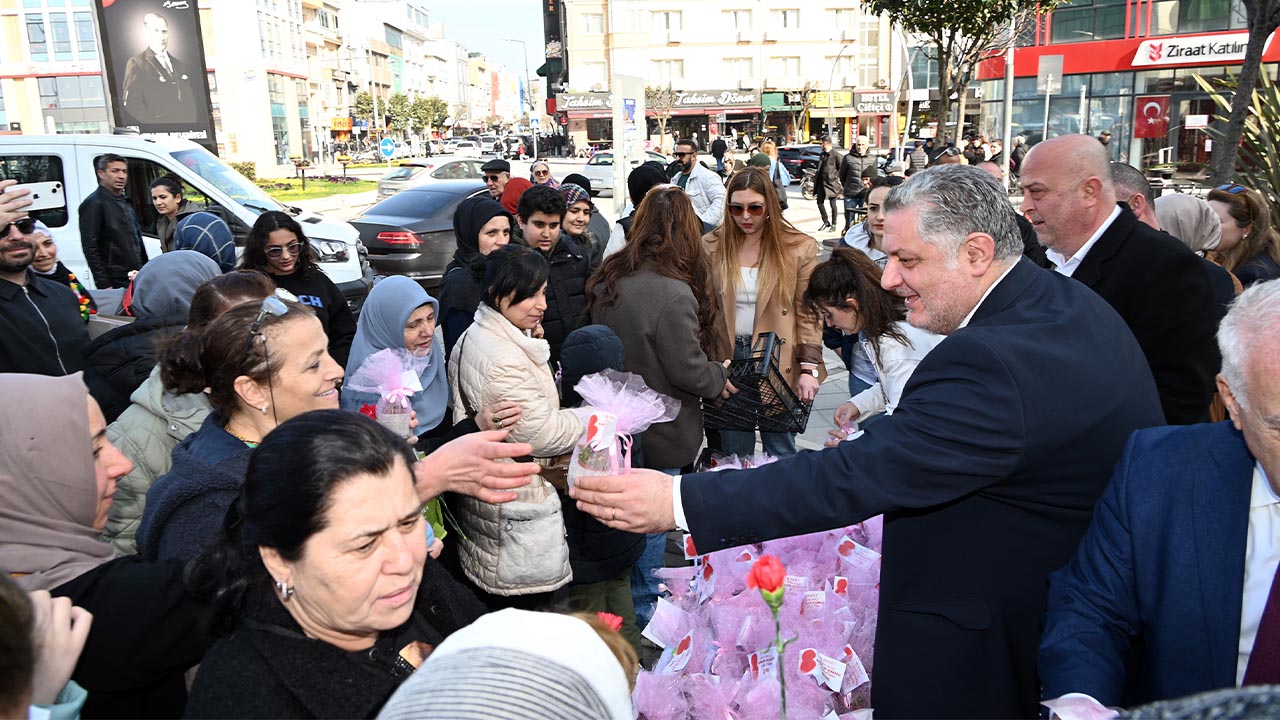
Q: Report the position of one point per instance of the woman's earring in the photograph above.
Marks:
(285, 591)
(264, 409)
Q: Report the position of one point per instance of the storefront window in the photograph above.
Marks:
(1164, 17)
(1117, 83)
(1204, 16)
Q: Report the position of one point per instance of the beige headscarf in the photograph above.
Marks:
(47, 482)
(1189, 219)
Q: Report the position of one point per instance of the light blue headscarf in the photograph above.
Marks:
(381, 327)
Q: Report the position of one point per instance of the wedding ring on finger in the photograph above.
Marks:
(615, 515)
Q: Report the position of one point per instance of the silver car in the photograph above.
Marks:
(599, 169)
(429, 170)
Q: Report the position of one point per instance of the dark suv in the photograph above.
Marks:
(798, 158)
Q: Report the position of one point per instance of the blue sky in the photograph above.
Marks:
(480, 26)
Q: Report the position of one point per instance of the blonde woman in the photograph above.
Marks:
(762, 264)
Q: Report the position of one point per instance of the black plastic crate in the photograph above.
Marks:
(764, 400)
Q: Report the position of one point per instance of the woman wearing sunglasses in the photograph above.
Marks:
(1250, 247)
(762, 264)
(540, 174)
(277, 246)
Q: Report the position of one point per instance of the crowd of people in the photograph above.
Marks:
(1030, 405)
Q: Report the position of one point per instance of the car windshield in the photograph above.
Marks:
(402, 173)
(414, 204)
(235, 185)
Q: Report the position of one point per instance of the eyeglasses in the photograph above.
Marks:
(752, 209)
(278, 251)
(492, 178)
(26, 226)
(1228, 188)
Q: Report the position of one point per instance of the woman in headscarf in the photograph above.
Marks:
(540, 174)
(57, 475)
(48, 266)
(512, 192)
(480, 226)
(1194, 222)
(209, 235)
(577, 220)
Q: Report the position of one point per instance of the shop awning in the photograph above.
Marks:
(550, 68)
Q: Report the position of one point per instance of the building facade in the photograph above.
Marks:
(1129, 68)
(738, 68)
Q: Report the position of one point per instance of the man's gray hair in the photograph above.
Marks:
(1130, 181)
(1254, 317)
(952, 201)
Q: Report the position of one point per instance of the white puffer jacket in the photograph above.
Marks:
(495, 361)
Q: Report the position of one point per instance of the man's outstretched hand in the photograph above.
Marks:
(475, 465)
(639, 502)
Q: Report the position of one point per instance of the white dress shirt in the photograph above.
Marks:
(1067, 266)
(677, 505)
(1261, 557)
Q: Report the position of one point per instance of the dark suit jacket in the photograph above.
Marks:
(1165, 295)
(987, 474)
(155, 95)
(1162, 562)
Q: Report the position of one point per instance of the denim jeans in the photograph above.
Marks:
(743, 443)
(644, 586)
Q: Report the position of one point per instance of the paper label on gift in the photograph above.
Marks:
(763, 664)
(602, 428)
(814, 601)
(831, 715)
(705, 582)
(840, 586)
(409, 381)
(827, 671)
(854, 663)
(690, 552)
(858, 556)
(680, 656)
(795, 583)
(664, 624)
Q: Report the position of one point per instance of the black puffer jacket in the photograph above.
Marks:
(851, 172)
(566, 293)
(124, 358)
(596, 551)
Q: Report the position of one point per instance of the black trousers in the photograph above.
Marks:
(823, 199)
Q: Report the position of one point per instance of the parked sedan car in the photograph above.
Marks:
(411, 232)
(417, 172)
(468, 148)
(599, 169)
(798, 158)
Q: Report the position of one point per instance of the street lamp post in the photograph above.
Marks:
(830, 91)
(528, 91)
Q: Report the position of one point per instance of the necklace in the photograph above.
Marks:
(241, 438)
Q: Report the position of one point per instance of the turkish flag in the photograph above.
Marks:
(1151, 116)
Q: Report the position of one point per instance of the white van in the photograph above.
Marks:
(207, 182)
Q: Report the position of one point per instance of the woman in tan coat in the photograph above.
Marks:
(762, 264)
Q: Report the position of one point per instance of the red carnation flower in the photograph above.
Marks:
(369, 410)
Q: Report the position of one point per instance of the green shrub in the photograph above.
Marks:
(248, 169)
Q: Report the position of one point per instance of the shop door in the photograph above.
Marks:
(1189, 132)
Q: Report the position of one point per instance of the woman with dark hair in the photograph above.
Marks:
(761, 265)
(845, 291)
(654, 294)
(171, 206)
(1250, 247)
(481, 226)
(277, 246)
(159, 418)
(499, 358)
(321, 583)
(260, 364)
(868, 235)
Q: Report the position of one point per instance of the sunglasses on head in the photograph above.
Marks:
(1228, 188)
(272, 305)
(278, 251)
(26, 226)
(752, 209)
(951, 152)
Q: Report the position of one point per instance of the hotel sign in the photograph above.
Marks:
(1216, 48)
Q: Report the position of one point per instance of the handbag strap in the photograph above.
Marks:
(462, 390)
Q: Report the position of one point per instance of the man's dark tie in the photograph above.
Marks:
(1264, 659)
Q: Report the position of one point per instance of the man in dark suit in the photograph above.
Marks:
(157, 88)
(987, 472)
(1183, 549)
(1156, 284)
